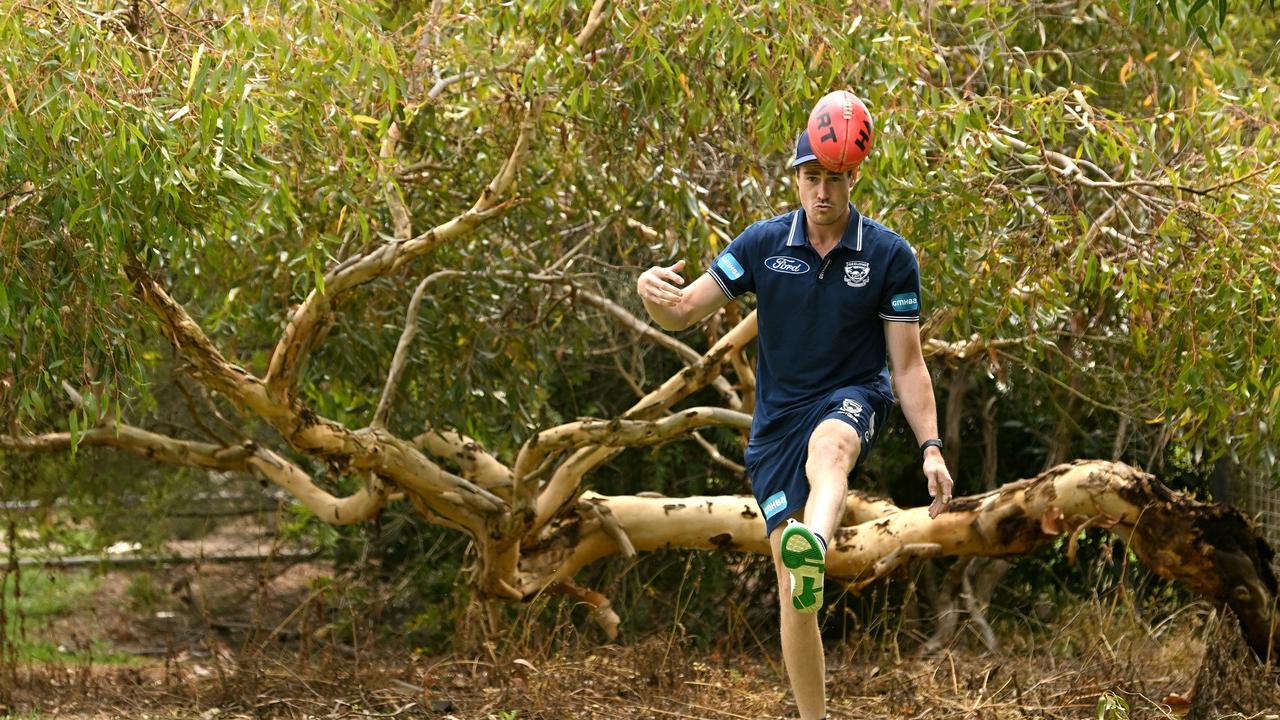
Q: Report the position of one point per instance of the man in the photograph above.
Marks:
(837, 295)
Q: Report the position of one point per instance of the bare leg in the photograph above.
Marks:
(801, 644)
(833, 450)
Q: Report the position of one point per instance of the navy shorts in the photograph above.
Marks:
(776, 466)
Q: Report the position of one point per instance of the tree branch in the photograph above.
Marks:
(300, 333)
(365, 503)
(402, 352)
(569, 474)
(1210, 548)
(647, 331)
(476, 464)
(716, 456)
(894, 560)
(371, 449)
(621, 314)
(401, 225)
(206, 363)
(965, 349)
(595, 19)
(624, 433)
(144, 443)
(245, 457)
(1069, 168)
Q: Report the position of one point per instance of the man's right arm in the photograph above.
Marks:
(674, 307)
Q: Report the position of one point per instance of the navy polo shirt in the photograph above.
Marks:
(820, 318)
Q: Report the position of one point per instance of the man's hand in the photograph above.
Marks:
(659, 285)
(935, 469)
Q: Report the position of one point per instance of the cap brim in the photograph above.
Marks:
(803, 159)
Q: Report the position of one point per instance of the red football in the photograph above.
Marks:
(840, 131)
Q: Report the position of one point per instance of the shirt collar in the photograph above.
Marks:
(851, 239)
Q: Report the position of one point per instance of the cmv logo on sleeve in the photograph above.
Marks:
(905, 302)
(730, 266)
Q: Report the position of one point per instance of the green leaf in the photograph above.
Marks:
(73, 423)
(1204, 36)
(237, 177)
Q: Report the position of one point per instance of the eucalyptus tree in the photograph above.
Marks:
(394, 247)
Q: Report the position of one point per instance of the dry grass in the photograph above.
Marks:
(555, 669)
(1093, 650)
(613, 682)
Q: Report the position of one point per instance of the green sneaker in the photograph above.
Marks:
(803, 556)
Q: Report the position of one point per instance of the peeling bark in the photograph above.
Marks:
(1210, 548)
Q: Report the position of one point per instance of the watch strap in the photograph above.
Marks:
(931, 442)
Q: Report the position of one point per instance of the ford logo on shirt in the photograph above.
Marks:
(788, 265)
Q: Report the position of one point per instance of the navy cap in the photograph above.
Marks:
(804, 151)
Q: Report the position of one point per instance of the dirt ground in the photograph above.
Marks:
(241, 640)
(255, 663)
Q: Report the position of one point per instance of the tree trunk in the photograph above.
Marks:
(1212, 549)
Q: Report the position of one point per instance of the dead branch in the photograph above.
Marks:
(716, 456)
(601, 612)
(946, 614)
(610, 525)
(985, 573)
(894, 560)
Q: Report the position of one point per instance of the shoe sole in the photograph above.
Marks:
(802, 556)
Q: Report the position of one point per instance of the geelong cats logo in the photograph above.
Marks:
(856, 273)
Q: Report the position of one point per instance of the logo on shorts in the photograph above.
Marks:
(851, 408)
(790, 266)
(730, 265)
(775, 504)
(857, 273)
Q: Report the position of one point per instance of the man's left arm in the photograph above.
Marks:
(915, 394)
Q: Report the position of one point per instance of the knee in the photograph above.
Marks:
(835, 447)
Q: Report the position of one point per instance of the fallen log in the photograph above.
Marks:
(1211, 548)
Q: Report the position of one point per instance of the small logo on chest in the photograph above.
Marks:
(790, 266)
(857, 273)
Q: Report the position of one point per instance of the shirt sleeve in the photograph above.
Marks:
(734, 268)
(900, 301)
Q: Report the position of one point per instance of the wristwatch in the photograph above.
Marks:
(931, 442)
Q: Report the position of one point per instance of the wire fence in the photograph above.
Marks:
(1261, 501)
